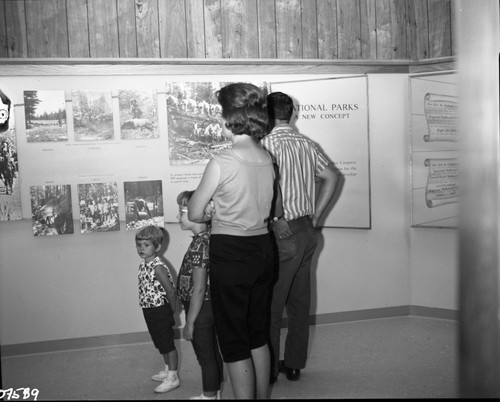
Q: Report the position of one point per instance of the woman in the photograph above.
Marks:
(236, 193)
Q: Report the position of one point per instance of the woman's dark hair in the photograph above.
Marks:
(244, 109)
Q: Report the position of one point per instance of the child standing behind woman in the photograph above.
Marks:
(194, 293)
(240, 182)
(157, 297)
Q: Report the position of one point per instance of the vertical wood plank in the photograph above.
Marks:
(327, 29)
(453, 29)
(383, 23)
(411, 34)
(173, 40)
(309, 29)
(195, 29)
(349, 29)
(3, 32)
(15, 18)
(479, 338)
(368, 29)
(213, 29)
(267, 29)
(239, 29)
(398, 29)
(103, 28)
(78, 28)
(302, 29)
(148, 35)
(47, 28)
(127, 32)
(288, 29)
(439, 28)
(420, 35)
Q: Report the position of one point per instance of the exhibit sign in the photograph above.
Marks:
(334, 113)
(434, 150)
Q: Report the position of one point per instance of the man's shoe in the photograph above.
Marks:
(291, 374)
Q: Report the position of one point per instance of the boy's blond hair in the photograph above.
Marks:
(184, 197)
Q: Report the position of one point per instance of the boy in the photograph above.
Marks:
(157, 298)
(193, 288)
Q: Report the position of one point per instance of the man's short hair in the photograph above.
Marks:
(279, 106)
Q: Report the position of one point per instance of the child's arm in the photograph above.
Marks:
(162, 276)
(199, 288)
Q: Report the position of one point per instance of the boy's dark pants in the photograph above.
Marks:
(206, 348)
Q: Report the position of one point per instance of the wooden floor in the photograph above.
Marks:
(400, 357)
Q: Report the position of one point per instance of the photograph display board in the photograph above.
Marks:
(120, 149)
(434, 150)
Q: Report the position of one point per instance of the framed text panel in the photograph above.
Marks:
(434, 150)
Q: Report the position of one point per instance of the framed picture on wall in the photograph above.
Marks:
(52, 212)
(143, 204)
(45, 116)
(98, 207)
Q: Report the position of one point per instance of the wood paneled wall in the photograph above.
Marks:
(221, 29)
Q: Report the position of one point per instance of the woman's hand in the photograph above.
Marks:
(210, 209)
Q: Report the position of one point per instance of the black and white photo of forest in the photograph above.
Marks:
(45, 116)
(92, 115)
(51, 210)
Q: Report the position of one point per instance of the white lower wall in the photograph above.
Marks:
(434, 268)
(52, 290)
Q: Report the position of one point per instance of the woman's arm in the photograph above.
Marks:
(203, 194)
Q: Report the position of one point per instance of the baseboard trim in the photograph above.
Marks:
(140, 337)
(433, 312)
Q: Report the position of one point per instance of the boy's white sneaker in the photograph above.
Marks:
(160, 376)
(203, 396)
(168, 384)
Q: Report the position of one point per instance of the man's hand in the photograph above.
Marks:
(281, 229)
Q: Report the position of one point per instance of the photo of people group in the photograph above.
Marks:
(10, 194)
(194, 129)
(98, 207)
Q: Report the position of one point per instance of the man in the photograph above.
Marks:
(300, 163)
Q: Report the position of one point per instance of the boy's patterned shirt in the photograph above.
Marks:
(196, 257)
(151, 291)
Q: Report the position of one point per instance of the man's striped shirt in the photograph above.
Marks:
(299, 161)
